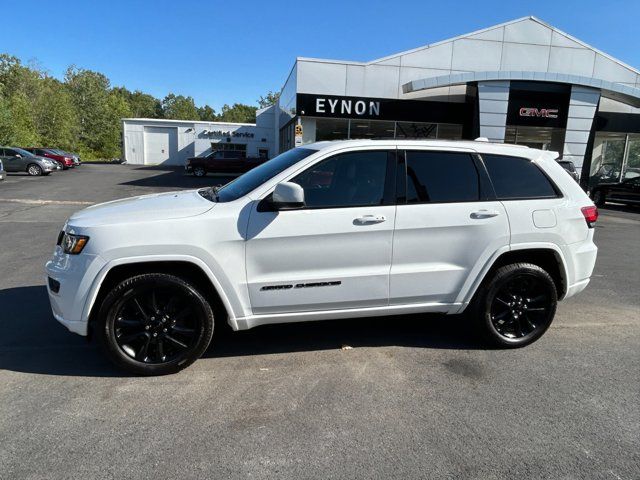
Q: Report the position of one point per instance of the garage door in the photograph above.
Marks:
(160, 146)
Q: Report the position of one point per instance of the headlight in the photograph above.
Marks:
(73, 244)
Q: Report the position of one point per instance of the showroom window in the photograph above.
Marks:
(416, 130)
(434, 177)
(347, 180)
(371, 129)
(542, 138)
(615, 158)
(331, 129)
(517, 178)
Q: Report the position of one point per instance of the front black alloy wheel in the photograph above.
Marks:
(517, 305)
(155, 324)
(199, 171)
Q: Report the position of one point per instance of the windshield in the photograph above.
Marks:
(256, 177)
(22, 152)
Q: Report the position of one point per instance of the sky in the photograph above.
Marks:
(234, 51)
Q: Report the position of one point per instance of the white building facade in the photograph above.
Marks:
(148, 141)
(522, 82)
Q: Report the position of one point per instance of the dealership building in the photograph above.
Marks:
(149, 141)
(522, 82)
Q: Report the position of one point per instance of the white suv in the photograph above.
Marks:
(328, 231)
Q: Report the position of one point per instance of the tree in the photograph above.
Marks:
(269, 99)
(22, 131)
(179, 107)
(141, 105)
(56, 120)
(207, 114)
(238, 113)
(90, 94)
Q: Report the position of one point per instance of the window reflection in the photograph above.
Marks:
(607, 158)
(331, 129)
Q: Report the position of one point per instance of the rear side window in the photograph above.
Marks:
(515, 177)
(435, 177)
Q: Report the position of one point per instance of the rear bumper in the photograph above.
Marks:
(581, 260)
(2, 174)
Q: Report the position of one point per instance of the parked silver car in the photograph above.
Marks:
(2, 173)
(17, 160)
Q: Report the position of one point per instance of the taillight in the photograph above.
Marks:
(590, 215)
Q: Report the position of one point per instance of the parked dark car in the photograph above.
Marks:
(64, 160)
(627, 192)
(226, 162)
(19, 160)
(570, 168)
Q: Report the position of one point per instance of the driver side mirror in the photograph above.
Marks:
(17, 155)
(287, 196)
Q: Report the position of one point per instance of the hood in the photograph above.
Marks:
(145, 208)
(45, 159)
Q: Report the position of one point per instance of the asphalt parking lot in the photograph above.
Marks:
(415, 397)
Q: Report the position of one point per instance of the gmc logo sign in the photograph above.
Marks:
(539, 112)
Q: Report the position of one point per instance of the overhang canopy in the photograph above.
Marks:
(616, 91)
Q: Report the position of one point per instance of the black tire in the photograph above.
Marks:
(599, 197)
(199, 172)
(515, 306)
(154, 324)
(34, 170)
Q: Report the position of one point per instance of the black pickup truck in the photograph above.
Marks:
(226, 162)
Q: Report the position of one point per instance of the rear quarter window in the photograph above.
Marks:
(518, 178)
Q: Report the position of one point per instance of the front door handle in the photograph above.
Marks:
(369, 219)
(480, 214)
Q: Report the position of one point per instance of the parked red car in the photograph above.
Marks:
(64, 160)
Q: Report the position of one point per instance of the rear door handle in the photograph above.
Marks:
(369, 219)
(480, 214)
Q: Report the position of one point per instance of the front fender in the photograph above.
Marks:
(230, 300)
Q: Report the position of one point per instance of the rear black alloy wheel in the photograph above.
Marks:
(34, 170)
(199, 172)
(518, 305)
(155, 324)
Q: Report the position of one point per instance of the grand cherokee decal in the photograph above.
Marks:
(300, 285)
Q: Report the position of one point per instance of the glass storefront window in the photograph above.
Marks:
(321, 129)
(632, 168)
(607, 158)
(416, 130)
(449, 132)
(372, 129)
(331, 129)
(543, 138)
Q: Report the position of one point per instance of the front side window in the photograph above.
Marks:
(257, 176)
(516, 177)
(345, 180)
(436, 177)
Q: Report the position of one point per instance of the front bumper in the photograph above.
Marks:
(69, 282)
